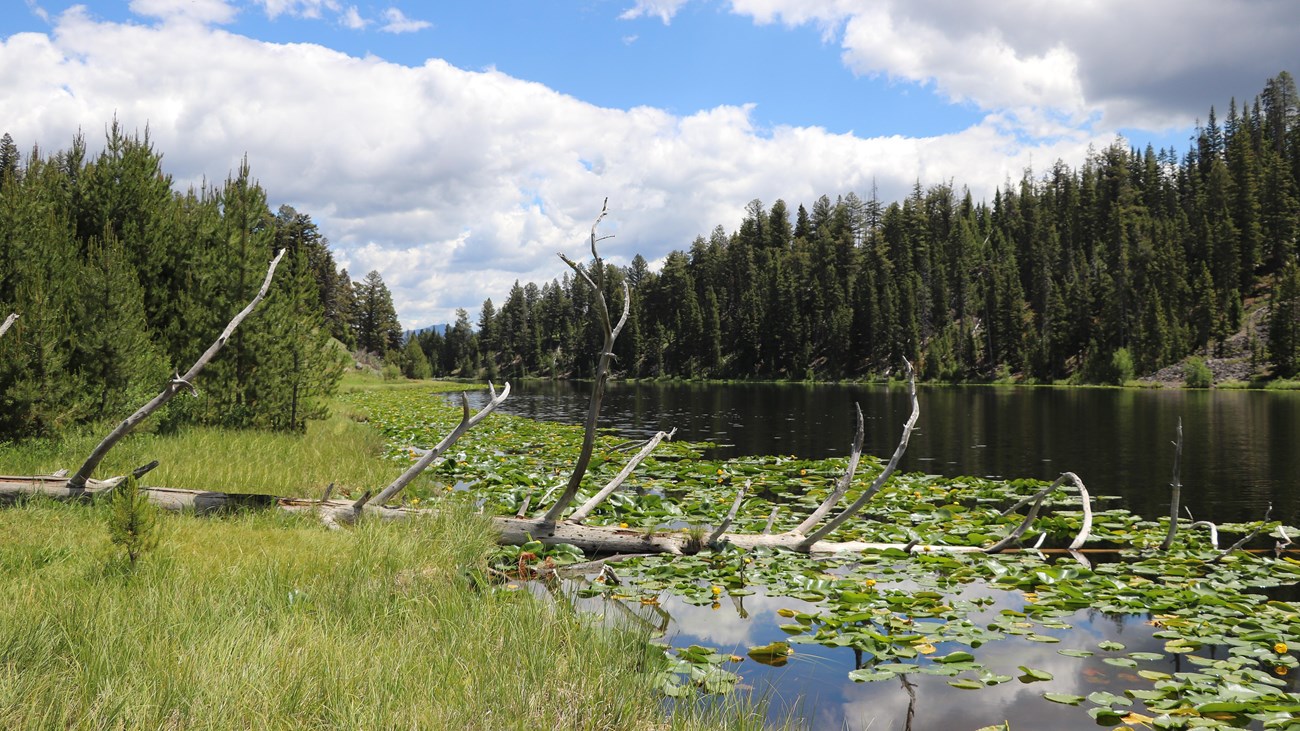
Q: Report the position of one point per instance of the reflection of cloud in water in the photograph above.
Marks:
(815, 681)
(725, 628)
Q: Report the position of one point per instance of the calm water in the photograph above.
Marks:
(1241, 448)
(1240, 454)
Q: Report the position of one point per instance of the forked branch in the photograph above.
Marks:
(1037, 499)
(467, 422)
(884, 475)
(855, 455)
(582, 512)
(602, 367)
(78, 481)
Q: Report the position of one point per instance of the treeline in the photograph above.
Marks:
(1130, 262)
(120, 282)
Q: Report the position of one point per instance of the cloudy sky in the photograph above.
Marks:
(457, 146)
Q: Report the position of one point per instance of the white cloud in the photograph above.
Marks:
(1139, 65)
(399, 23)
(454, 183)
(38, 11)
(352, 19)
(203, 11)
(664, 10)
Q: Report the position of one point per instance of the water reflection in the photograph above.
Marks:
(1239, 454)
(814, 685)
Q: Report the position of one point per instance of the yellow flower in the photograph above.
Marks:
(1280, 670)
(1279, 648)
(803, 472)
(870, 582)
(622, 525)
(719, 470)
(717, 590)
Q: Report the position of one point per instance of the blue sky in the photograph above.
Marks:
(455, 147)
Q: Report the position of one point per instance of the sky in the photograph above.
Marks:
(456, 147)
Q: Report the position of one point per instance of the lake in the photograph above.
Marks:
(1240, 447)
(1239, 456)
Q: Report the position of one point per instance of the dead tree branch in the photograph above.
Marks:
(582, 512)
(855, 455)
(466, 423)
(721, 530)
(884, 475)
(1177, 491)
(1247, 538)
(1085, 529)
(8, 323)
(78, 481)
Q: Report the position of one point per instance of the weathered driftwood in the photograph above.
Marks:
(80, 480)
(830, 525)
(8, 323)
(512, 531)
(1037, 499)
(602, 365)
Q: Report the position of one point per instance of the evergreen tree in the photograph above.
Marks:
(1284, 322)
(374, 320)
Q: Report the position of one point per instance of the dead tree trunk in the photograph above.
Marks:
(8, 323)
(602, 365)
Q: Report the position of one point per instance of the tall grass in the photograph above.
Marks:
(266, 621)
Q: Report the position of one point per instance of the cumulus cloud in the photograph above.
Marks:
(399, 23)
(455, 183)
(1147, 65)
(664, 10)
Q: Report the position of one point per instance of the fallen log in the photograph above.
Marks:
(511, 530)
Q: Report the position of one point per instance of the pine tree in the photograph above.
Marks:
(1284, 322)
(374, 319)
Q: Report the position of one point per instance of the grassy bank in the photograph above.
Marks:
(262, 621)
(271, 621)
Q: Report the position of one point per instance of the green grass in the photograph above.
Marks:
(268, 621)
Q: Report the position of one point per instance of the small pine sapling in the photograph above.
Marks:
(132, 520)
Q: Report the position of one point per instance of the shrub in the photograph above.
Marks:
(1196, 374)
(1121, 366)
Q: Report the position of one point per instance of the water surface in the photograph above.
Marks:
(1240, 447)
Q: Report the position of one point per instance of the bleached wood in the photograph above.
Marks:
(466, 423)
(80, 480)
(582, 512)
(884, 475)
